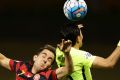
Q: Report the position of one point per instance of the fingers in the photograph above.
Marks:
(60, 46)
(80, 26)
(68, 42)
(65, 46)
(68, 46)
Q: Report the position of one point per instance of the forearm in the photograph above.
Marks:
(4, 61)
(67, 69)
(68, 63)
(108, 62)
(113, 58)
(65, 46)
(1, 57)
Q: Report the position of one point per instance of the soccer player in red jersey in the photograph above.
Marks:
(40, 69)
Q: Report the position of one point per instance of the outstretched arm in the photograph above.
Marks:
(4, 61)
(68, 68)
(108, 62)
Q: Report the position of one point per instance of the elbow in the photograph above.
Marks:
(110, 66)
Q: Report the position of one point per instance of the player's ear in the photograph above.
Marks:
(35, 57)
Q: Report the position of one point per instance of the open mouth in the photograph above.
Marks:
(43, 66)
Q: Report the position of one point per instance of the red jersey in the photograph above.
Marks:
(23, 72)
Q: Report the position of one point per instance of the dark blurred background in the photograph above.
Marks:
(26, 25)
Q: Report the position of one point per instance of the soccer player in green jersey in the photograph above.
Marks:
(83, 60)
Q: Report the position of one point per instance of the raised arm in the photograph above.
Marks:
(68, 68)
(108, 62)
(4, 61)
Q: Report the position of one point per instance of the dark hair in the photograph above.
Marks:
(48, 47)
(70, 31)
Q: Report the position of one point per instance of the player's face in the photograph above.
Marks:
(44, 59)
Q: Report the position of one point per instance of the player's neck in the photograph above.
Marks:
(33, 70)
(76, 46)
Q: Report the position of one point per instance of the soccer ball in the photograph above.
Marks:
(75, 10)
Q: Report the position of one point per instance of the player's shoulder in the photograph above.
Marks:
(78, 51)
(20, 63)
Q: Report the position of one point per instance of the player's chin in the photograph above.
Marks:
(43, 68)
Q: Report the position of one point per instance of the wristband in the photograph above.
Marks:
(118, 43)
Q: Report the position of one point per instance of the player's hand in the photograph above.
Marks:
(65, 46)
(118, 43)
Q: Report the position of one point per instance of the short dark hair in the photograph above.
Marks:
(48, 47)
(70, 31)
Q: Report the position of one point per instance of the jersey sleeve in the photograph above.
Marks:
(14, 64)
(88, 59)
(59, 57)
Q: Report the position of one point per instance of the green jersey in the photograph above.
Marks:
(82, 62)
